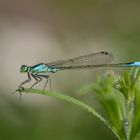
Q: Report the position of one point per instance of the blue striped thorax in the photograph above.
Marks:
(39, 68)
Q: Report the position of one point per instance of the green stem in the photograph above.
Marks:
(129, 117)
(74, 101)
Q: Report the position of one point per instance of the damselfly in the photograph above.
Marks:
(93, 60)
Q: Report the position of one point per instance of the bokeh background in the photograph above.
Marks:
(34, 31)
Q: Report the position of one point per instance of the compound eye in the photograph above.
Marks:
(24, 68)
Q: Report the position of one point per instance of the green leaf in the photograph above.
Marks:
(136, 120)
(113, 103)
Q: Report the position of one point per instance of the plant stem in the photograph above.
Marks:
(74, 101)
(129, 118)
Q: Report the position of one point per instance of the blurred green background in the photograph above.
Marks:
(34, 31)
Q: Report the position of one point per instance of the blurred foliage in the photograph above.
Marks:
(19, 120)
(119, 98)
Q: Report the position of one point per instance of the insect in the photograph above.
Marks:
(89, 61)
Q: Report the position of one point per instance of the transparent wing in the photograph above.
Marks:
(86, 61)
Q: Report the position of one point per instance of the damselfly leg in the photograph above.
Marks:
(47, 77)
(20, 89)
(38, 78)
(26, 81)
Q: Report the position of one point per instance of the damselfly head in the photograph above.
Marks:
(24, 68)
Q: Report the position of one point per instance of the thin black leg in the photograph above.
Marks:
(37, 78)
(47, 77)
(45, 85)
(26, 81)
(20, 95)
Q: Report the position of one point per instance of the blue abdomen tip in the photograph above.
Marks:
(134, 64)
